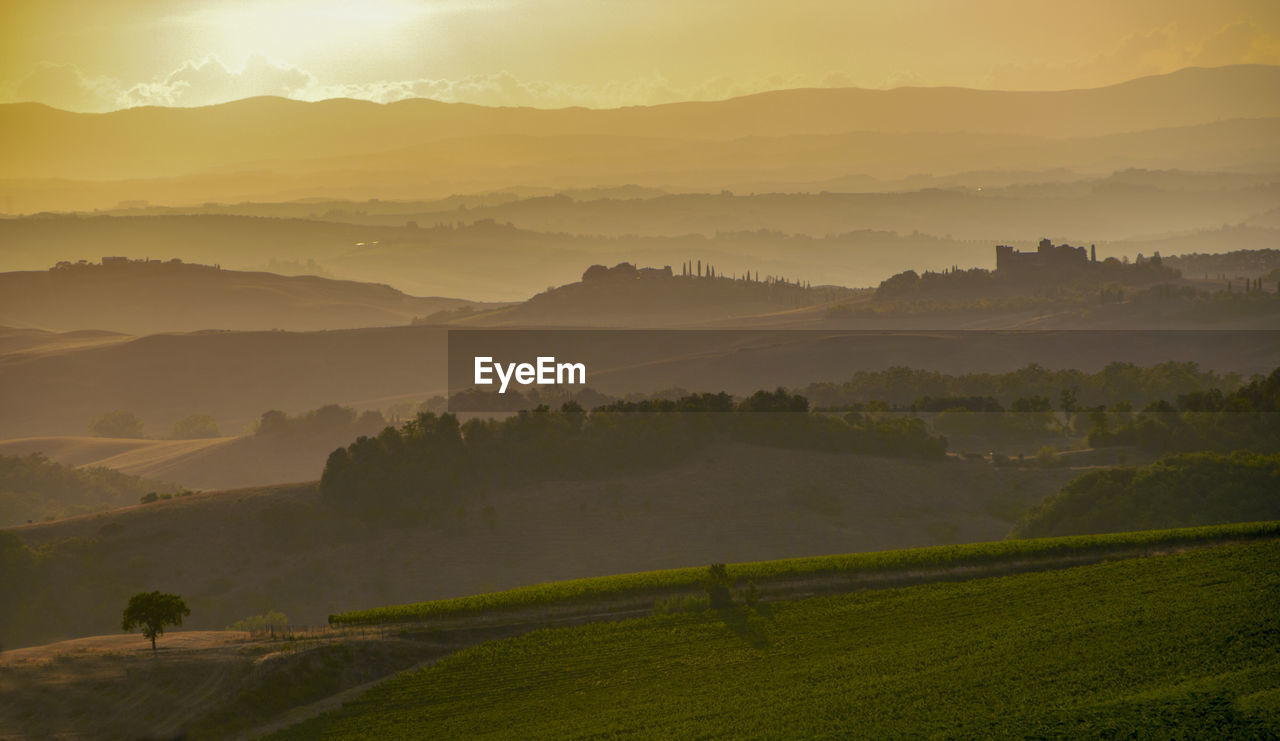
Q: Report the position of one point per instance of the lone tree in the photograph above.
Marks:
(151, 611)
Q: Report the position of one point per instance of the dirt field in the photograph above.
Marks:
(198, 684)
(115, 685)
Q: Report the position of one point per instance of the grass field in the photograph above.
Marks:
(937, 557)
(1183, 645)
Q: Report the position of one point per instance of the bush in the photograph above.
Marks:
(271, 622)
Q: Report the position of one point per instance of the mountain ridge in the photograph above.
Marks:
(154, 141)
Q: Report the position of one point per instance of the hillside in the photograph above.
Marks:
(35, 488)
(235, 376)
(253, 684)
(202, 684)
(988, 658)
(1191, 488)
(208, 464)
(14, 341)
(134, 456)
(278, 449)
(151, 296)
(237, 553)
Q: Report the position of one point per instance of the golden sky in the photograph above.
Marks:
(97, 55)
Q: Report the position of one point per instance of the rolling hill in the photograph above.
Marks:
(208, 464)
(238, 553)
(150, 296)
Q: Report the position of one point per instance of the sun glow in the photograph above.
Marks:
(293, 30)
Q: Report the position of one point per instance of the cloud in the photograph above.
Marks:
(210, 81)
(506, 89)
(194, 83)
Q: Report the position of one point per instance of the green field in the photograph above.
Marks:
(1185, 645)
(881, 562)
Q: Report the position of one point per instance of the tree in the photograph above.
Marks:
(195, 426)
(717, 585)
(151, 611)
(118, 423)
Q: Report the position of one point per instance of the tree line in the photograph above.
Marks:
(1182, 490)
(404, 469)
(1247, 418)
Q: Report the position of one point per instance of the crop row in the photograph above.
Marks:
(1176, 646)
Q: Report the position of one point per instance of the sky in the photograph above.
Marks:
(102, 55)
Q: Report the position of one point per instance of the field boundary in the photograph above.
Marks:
(631, 594)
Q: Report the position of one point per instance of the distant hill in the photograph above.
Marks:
(277, 149)
(153, 142)
(149, 296)
(788, 163)
(235, 376)
(511, 249)
(15, 341)
(285, 449)
(625, 295)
